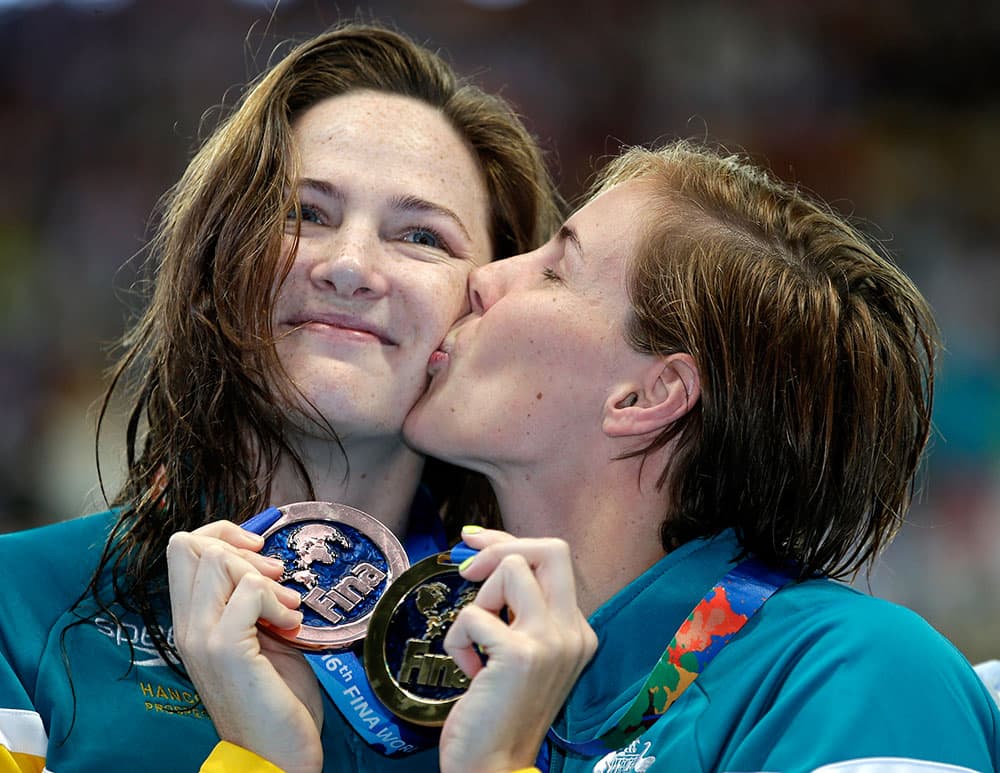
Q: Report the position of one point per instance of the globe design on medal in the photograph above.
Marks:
(429, 599)
(414, 648)
(312, 543)
(407, 666)
(341, 561)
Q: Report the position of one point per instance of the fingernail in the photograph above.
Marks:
(466, 563)
(471, 529)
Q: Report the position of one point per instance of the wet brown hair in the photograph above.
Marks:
(815, 353)
(205, 431)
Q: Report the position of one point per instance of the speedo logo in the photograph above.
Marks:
(125, 633)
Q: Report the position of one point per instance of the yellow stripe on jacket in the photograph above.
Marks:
(23, 741)
(228, 757)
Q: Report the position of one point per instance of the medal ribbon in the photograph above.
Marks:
(342, 674)
(718, 617)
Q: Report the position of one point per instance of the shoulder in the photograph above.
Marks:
(835, 637)
(846, 619)
(75, 536)
(95, 525)
(851, 630)
(51, 563)
(45, 571)
(836, 674)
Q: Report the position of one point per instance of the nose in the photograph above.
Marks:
(350, 263)
(489, 283)
(484, 286)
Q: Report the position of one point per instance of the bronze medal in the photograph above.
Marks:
(404, 653)
(341, 560)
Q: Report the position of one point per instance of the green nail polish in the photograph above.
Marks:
(471, 529)
(466, 563)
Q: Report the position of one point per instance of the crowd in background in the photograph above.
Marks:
(890, 110)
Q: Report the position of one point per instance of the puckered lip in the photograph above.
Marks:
(441, 355)
(448, 344)
(342, 321)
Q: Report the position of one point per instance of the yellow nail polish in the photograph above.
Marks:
(466, 563)
(471, 529)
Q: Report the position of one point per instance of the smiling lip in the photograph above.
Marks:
(341, 324)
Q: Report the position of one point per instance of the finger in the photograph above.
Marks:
(548, 558)
(239, 564)
(513, 585)
(269, 566)
(474, 630)
(248, 543)
(548, 551)
(252, 600)
(211, 588)
(219, 572)
(182, 566)
(479, 538)
(535, 633)
(220, 533)
(186, 551)
(229, 532)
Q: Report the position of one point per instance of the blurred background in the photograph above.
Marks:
(889, 110)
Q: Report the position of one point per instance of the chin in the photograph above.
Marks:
(447, 440)
(418, 431)
(427, 430)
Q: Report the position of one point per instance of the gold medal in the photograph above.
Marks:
(404, 652)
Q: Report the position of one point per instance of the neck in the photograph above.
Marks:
(609, 517)
(377, 476)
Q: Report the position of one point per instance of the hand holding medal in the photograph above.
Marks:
(427, 626)
(261, 693)
(309, 575)
(534, 656)
(357, 587)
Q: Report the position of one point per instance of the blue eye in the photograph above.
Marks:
(310, 214)
(425, 237)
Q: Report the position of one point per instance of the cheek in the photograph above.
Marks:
(285, 283)
(285, 260)
(545, 365)
(443, 300)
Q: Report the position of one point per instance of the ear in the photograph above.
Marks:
(667, 389)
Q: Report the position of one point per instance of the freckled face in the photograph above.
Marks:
(524, 377)
(395, 214)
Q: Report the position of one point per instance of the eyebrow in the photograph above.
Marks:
(323, 187)
(567, 234)
(417, 204)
